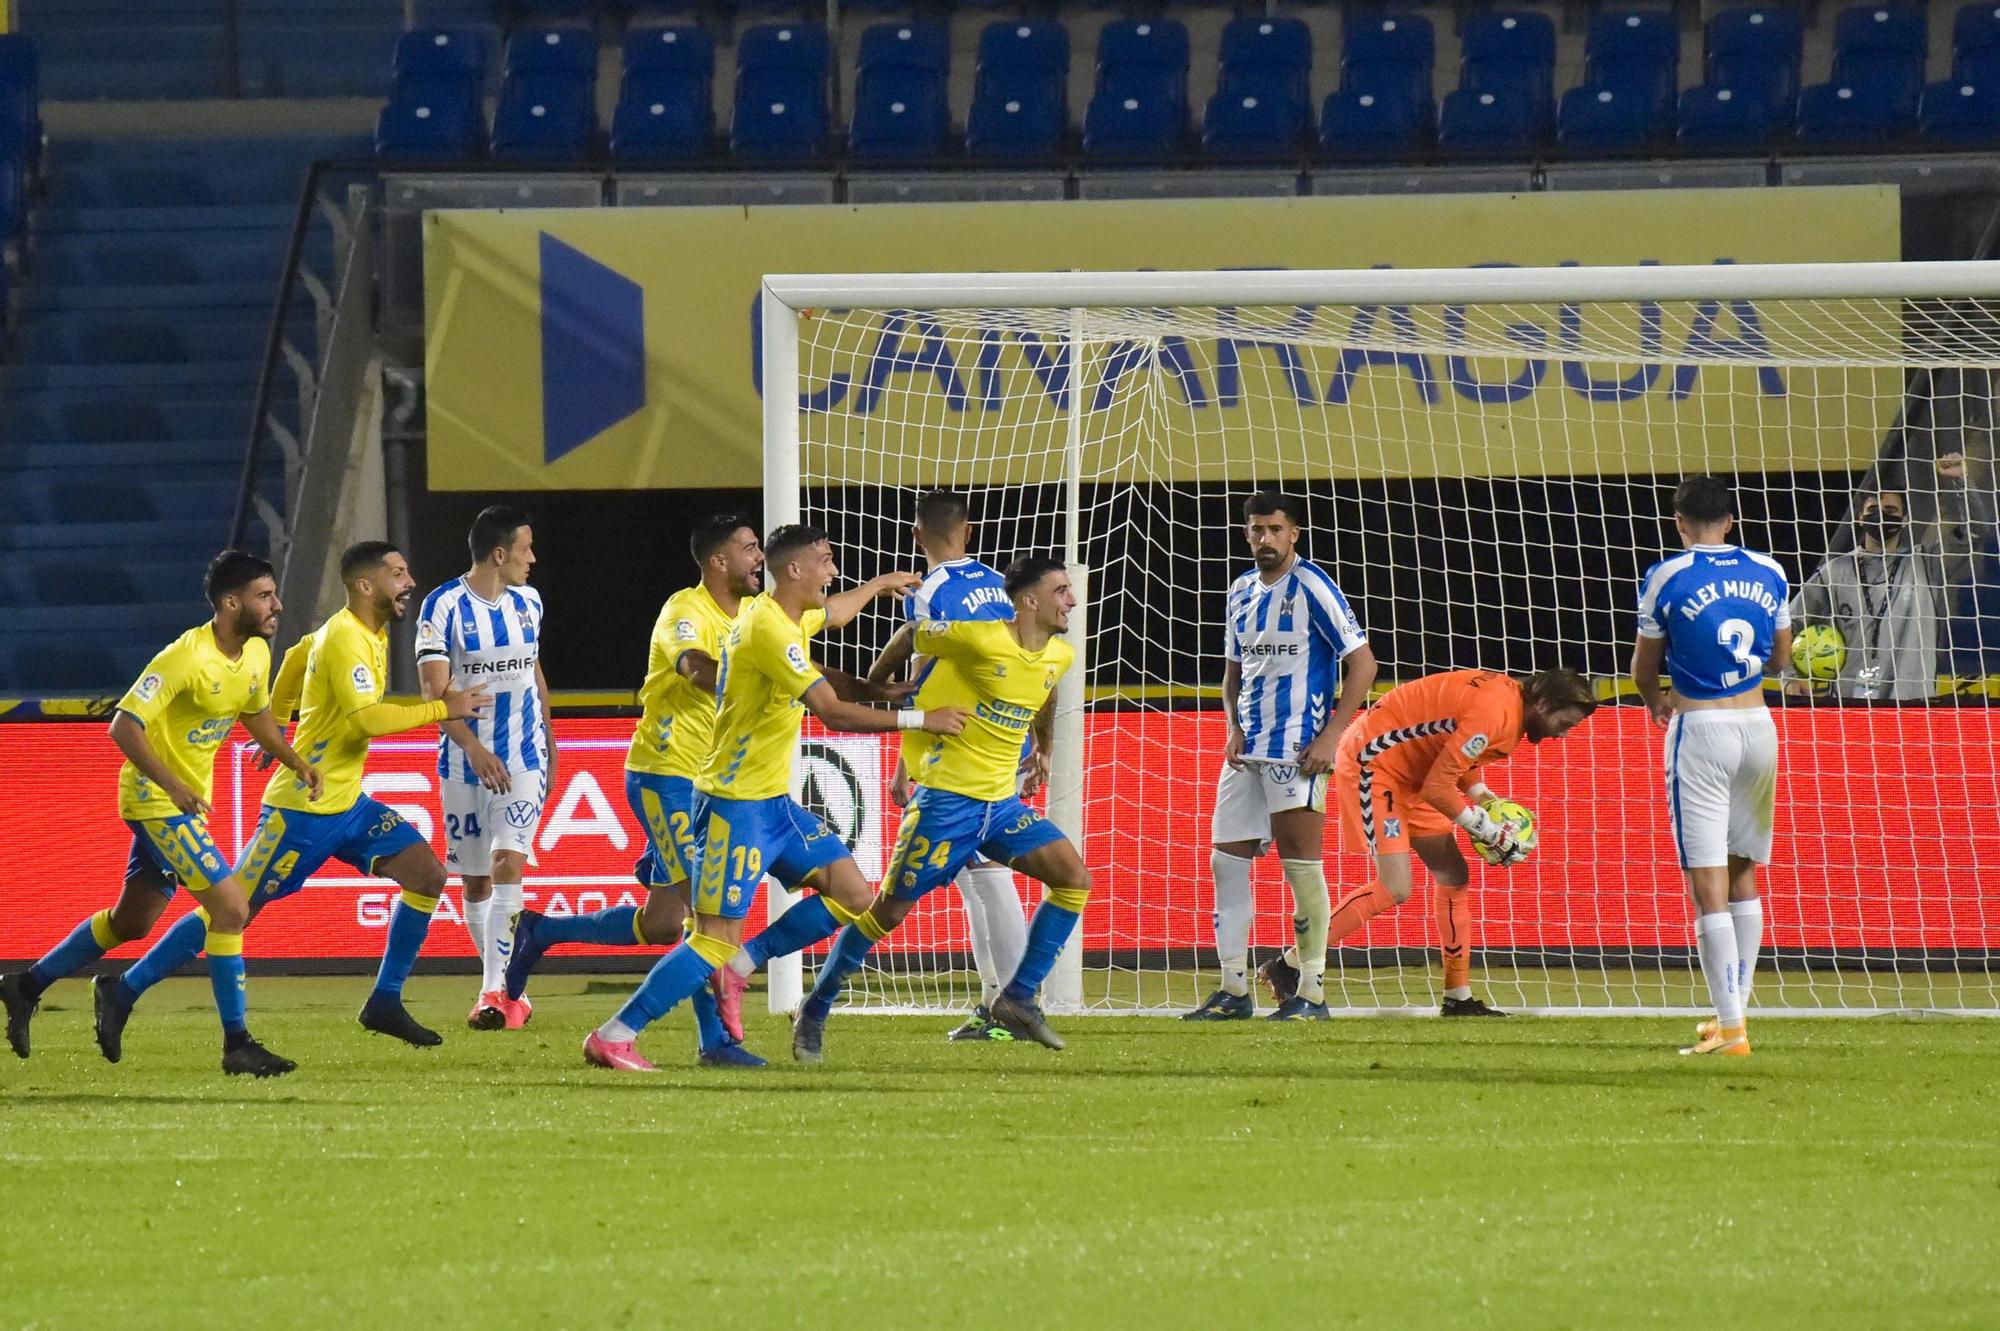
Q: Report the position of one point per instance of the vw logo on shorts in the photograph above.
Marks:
(1283, 773)
(521, 813)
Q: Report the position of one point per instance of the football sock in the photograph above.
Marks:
(708, 1032)
(225, 977)
(505, 903)
(409, 922)
(1310, 924)
(1054, 921)
(1458, 992)
(1357, 908)
(800, 927)
(176, 948)
(477, 914)
(1748, 917)
(1454, 920)
(850, 949)
(1233, 912)
(999, 929)
(1715, 941)
(615, 926)
(90, 940)
(677, 976)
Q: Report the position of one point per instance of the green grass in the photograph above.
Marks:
(1544, 1173)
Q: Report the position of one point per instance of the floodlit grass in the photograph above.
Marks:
(1382, 1172)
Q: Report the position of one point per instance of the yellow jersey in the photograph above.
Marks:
(765, 671)
(188, 698)
(1002, 687)
(336, 678)
(677, 721)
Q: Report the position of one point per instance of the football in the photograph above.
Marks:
(1523, 819)
(1819, 652)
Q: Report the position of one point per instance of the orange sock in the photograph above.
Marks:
(1454, 917)
(1357, 908)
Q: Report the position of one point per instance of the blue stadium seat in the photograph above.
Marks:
(1605, 120)
(1512, 51)
(1265, 57)
(1637, 52)
(1367, 124)
(21, 69)
(1755, 50)
(565, 48)
(1722, 120)
(899, 115)
(682, 49)
(780, 115)
(546, 116)
(924, 47)
(1975, 44)
(666, 101)
(459, 51)
(1878, 51)
(1020, 92)
(1132, 124)
(1390, 54)
(1485, 123)
(1832, 113)
(1248, 124)
(1960, 115)
(796, 47)
(419, 128)
(1144, 62)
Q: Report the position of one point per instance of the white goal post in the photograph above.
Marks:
(1487, 453)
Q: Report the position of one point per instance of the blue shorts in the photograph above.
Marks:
(176, 851)
(664, 806)
(942, 832)
(291, 845)
(742, 840)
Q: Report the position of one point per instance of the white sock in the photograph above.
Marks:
(1234, 911)
(477, 916)
(999, 929)
(616, 1032)
(503, 904)
(1459, 992)
(1715, 941)
(1315, 913)
(1748, 917)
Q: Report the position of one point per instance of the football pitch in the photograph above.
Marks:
(1375, 1172)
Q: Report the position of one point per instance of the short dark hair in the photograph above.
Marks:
(788, 540)
(364, 557)
(1704, 500)
(1266, 502)
(713, 532)
(494, 529)
(1560, 689)
(942, 511)
(1027, 572)
(232, 571)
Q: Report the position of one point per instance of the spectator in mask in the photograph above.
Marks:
(1885, 596)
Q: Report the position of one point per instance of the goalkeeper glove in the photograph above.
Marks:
(1501, 838)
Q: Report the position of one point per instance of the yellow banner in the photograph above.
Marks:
(615, 348)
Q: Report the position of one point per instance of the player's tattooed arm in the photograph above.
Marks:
(842, 607)
(894, 656)
(1357, 676)
(849, 688)
(698, 668)
(128, 732)
(270, 737)
(1648, 656)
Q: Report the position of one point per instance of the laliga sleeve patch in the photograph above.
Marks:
(364, 679)
(685, 630)
(795, 657)
(1474, 746)
(148, 687)
(429, 637)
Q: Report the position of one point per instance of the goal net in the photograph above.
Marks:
(1487, 457)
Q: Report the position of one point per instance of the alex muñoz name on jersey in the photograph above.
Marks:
(1289, 639)
(495, 644)
(1719, 607)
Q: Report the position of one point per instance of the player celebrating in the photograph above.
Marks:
(169, 725)
(1714, 616)
(958, 587)
(749, 824)
(967, 802)
(493, 771)
(675, 732)
(1289, 636)
(339, 673)
(1403, 777)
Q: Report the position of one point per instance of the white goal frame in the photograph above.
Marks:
(786, 296)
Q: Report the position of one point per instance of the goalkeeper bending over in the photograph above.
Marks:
(1404, 774)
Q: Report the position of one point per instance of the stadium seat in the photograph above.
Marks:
(1390, 54)
(780, 105)
(459, 51)
(1132, 124)
(1722, 120)
(1367, 124)
(548, 116)
(1605, 120)
(899, 114)
(1248, 124)
(681, 49)
(1831, 113)
(1755, 50)
(922, 47)
(1268, 58)
(21, 69)
(565, 49)
(1511, 51)
(1878, 52)
(1960, 115)
(797, 47)
(1146, 62)
(1975, 44)
(1637, 52)
(666, 101)
(1020, 93)
(1476, 123)
(419, 128)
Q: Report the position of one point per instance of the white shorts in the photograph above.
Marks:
(1247, 796)
(478, 822)
(1722, 785)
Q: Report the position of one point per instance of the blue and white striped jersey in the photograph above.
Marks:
(1289, 639)
(1719, 607)
(960, 589)
(495, 643)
